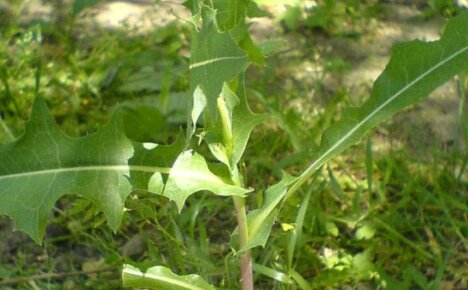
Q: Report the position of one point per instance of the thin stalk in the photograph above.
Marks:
(9, 96)
(10, 135)
(246, 257)
(462, 118)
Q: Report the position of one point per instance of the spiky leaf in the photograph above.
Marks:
(44, 164)
(215, 59)
(415, 69)
(157, 159)
(190, 173)
(244, 121)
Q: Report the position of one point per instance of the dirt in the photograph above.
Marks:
(431, 123)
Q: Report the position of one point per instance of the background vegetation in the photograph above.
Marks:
(391, 213)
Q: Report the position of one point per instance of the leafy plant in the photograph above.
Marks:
(44, 164)
(348, 17)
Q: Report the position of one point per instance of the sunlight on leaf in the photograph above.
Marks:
(415, 69)
(215, 59)
(162, 278)
(45, 164)
(190, 173)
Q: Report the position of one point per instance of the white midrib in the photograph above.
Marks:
(209, 61)
(127, 168)
(163, 279)
(323, 157)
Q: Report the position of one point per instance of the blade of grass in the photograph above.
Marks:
(404, 240)
(7, 130)
(300, 280)
(369, 162)
(297, 232)
(272, 273)
(463, 122)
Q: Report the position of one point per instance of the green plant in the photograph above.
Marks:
(44, 164)
(443, 7)
(348, 17)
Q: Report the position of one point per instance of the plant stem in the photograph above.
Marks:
(7, 130)
(246, 257)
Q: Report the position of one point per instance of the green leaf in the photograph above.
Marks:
(415, 69)
(231, 13)
(218, 135)
(216, 58)
(227, 138)
(199, 104)
(45, 164)
(261, 220)
(157, 159)
(254, 11)
(272, 273)
(142, 122)
(190, 173)
(241, 35)
(332, 229)
(365, 232)
(363, 266)
(296, 235)
(300, 280)
(272, 46)
(80, 5)
(244, 121)
(162, 278)
(230, 17)
(147, 78)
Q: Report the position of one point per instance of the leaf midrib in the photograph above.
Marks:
(322, 159)
(161, 278)
(212, 60)
(139, 168)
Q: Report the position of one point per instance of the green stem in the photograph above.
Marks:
(10, 135)
(9, 96)
(246, 257)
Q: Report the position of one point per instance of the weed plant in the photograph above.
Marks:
(368, 218)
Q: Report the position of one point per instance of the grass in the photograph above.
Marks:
(377, 217)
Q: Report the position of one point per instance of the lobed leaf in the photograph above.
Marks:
(190, 173)
(44, 164)
(216, 58)
(415, 69)
(158, 158)
(231, 13)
